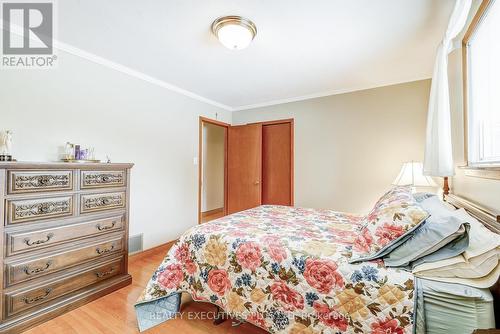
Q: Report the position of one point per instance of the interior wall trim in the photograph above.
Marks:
(326, 93)
(200, 161)
(136, 74)
(73, 50)
(492, 173)
(123, 69)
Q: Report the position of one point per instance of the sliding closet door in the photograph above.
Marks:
(277, 161)
(244, 167)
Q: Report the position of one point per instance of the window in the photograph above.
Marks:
(482, 85)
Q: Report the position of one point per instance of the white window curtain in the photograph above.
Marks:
(438, 148)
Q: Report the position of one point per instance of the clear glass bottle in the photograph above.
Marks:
(69, 151)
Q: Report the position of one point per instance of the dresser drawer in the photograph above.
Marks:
(100, 202)
(21, 300)
(24, 210)
(21, 271)
(23, 181)
(102, 179)
(18, 242)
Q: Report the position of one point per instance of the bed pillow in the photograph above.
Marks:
(452, 249)
(482, 271)
(394, 216)
(482, 239)
(436, 207)
(419, 197)
(477, 260)
(399, 194)
(475, 267)
(449, 235)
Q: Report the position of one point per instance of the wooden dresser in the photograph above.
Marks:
(64, 237)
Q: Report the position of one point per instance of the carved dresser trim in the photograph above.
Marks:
(27, 210)
(100, 179)
(99, 202)
(37, 181)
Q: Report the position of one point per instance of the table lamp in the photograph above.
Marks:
(412, 174)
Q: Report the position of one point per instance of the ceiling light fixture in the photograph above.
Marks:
(234, 32)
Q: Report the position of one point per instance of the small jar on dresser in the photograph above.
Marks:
(64, 237)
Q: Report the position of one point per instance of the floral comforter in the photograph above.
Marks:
(286, 270)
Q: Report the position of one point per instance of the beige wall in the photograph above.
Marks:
(350, 147)
(483, 191)
(126, 118)
(213, 167)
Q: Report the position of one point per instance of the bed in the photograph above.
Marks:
(290, 270)
(273, 265)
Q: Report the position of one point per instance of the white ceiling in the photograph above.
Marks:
(302, 48)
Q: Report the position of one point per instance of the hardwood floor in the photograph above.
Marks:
(114, 313)
(212, 215)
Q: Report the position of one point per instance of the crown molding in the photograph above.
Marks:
(325, 94)
(68, 48)
(136, 74)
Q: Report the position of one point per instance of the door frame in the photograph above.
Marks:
(292, 150)
(200, 160)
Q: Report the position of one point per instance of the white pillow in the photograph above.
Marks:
(458, 266)
(481, 239)
(480, 258)
(484, 282)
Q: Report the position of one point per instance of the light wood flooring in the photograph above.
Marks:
(212, 215)
(114, 313)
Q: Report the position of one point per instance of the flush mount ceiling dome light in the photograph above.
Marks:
(234, 32)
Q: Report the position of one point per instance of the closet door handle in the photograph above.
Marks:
(256, 183)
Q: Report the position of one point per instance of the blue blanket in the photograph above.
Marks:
(152, 313)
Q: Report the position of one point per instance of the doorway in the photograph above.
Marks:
(244, 166)
(212, 170)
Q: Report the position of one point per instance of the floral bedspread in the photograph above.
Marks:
(286, 270)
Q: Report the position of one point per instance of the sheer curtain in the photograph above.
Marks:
(438, 148)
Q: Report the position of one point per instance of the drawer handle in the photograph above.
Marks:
(101, 274)
(38, 270)
(101, 227)
(104, 250)
(31, 300)
(30, 243)
(105, 201)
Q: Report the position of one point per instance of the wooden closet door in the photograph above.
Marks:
(277, 164)
(244, 167)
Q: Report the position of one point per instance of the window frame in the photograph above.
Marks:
(489, 167)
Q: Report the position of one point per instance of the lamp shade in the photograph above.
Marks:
(412, 174)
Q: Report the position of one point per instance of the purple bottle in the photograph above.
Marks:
(77, 152)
